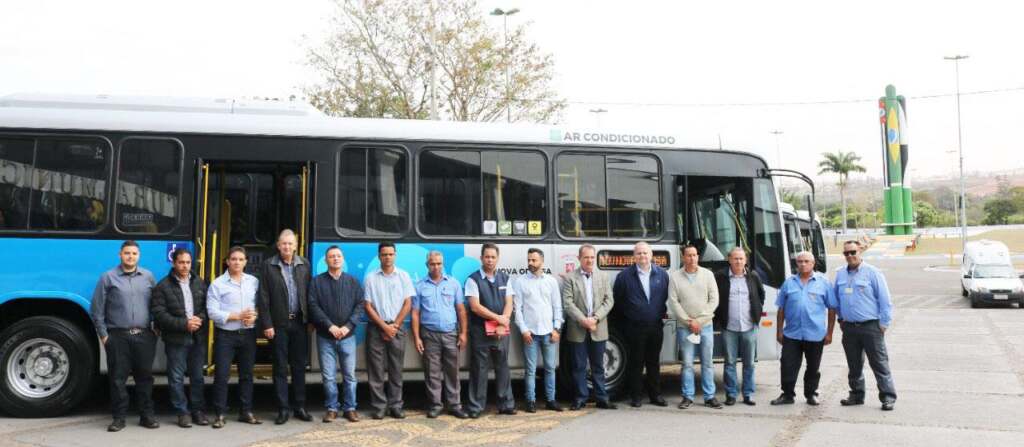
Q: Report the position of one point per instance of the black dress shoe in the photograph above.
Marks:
(749, 401)
(531, 406)
(508, 411)
(730, 400)
(379, 414)
(783, 399)
(684, 404)
(282, 417)
(659, 401)
(851, 401)
(116, 425)
(605, 405)
(635, 403)
(473, 414)
(183, 421)
(458, 413)
(249, 418)
(813, 400)
(218, 421)
(397, 413)
(199, 418)
(888, 405)
(577, 405)
(713, 403)
(433, 413)
(148, 422)
(553, 406)
(302, 415)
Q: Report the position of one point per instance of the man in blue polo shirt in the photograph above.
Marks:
(865, 312)
(439, 326)
(806, 301)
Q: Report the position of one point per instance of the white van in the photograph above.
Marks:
(987, 275)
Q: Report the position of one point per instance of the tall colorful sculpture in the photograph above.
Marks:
(899, 206)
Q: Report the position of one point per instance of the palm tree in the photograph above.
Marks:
(842, 163)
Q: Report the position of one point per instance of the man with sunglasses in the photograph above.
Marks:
(865, 311)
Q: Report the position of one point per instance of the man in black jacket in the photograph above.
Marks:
(336, 308)
(178, 306)
(284, 279)
(738, 314)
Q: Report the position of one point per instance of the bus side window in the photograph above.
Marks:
(70, 191)
(449, 193)
(373, 190)
(627, 205)
(148, 185)
(15, 178)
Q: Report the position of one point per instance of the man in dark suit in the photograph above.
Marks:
(640, 292)
(284, 279)
(178, 305)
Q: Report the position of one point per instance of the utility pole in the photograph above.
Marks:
(508, 78)
(960, 145)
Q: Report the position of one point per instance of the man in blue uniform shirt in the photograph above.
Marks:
(806, 301)
(865, 312)
(439, 328)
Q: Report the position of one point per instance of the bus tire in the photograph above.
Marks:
(615, 367)
(47, 367)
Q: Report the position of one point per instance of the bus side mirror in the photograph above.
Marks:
(968, 275)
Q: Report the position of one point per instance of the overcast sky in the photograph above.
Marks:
(654, 64)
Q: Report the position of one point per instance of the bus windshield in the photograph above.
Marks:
(724, 209)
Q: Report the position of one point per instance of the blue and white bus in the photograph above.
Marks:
(78, 175)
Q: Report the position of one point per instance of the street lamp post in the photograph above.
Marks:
(508, 93)
(597, 115)
(960, 146)
(778, 152)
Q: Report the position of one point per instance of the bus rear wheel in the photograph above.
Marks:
(46, 367)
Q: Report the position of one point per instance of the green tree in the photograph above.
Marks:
(381, 56)
(842, 164)
(926, 214)
(998, 211)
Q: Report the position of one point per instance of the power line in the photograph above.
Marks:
(755, 104)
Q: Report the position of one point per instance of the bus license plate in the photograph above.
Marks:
(1000, 297)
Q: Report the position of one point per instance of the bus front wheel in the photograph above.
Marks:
(46, 367)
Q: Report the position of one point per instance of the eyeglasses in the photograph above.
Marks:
(850, 253)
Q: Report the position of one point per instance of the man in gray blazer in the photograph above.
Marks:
(586, 301)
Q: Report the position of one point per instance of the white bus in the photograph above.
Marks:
(80, 174)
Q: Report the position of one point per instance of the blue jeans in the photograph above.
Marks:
(740, 345)
(331, 351)
(181, 360)
(707, 368)
(549, 350)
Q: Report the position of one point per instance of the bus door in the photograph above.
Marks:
(248, 204)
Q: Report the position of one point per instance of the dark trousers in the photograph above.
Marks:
(291, 353)
(229, 346)
(793, 352)
(384, 363)
(643, 340)
(860, 339)
(441, 368)
(128, 353)
(591, 352)
(486, 352)
(186, 360)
